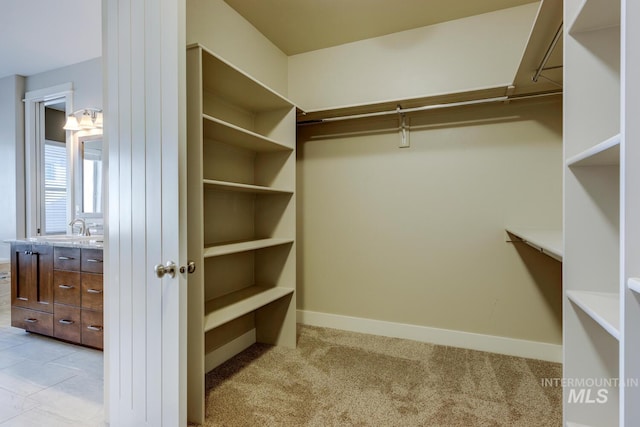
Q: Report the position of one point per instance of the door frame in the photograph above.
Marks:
(33, 134)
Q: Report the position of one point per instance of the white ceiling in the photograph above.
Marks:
(297, 26)
(41, 35)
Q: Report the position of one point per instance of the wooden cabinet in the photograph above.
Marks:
(57, 291)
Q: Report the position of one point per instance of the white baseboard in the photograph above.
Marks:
(220, 355)
(491, 343)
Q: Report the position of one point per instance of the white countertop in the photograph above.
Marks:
(89, 242)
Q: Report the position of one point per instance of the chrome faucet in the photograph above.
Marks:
(84, 231)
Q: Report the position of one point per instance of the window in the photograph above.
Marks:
(55, 188)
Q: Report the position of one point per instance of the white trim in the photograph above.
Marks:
(32, 100)
(220, 355)
(472, 341)
(49, 93)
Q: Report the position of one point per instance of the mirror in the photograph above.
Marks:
(90, 173)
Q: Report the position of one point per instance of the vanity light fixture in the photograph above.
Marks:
(91, 119)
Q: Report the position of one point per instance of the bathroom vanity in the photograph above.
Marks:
(57, 288)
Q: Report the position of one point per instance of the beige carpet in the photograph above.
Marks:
(336, 378)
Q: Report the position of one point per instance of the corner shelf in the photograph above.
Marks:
(594, 15)
(606, 153)
(549, 242)
(251, 245)
(243, 188)
(603, 307)
(226, 308)
(237, 87)
(214, 128)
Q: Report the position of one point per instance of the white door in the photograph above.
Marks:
(145, 137)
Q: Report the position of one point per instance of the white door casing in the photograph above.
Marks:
(34, 138)
(145, 141)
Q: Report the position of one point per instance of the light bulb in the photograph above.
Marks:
(85, 121)
(72, 123)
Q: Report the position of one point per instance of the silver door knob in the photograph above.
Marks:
(169, 268)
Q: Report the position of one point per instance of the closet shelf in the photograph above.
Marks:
(242, 188)
(549, 242)
(251, 245)
(226, 308)
(595, 15)
(606, 153)
(634, 284)
(236, 86)
(219, 130)
(377, 107)
(603, 307)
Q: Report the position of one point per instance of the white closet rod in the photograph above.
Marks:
(427, 107)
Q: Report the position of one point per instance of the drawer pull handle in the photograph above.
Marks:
(65, 286)
(30, 253)
(94, 328)
(65, 258)
(65, 322)
(31, 320)
(94, 291)
(93, 260)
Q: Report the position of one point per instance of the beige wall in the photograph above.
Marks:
(417, 235)
(471, 53)
(219, 28)
(12, 166)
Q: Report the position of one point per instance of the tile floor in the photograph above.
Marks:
(45, 382)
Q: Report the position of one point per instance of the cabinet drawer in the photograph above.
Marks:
(91, 260)
(92, 291)
(66, 258)
(32, 320)
(92, 328)
(66, 322)
(66, 287)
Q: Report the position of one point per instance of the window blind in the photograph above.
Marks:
(55, 188)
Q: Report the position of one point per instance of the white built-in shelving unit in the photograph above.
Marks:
(240, 215)
(602, 212)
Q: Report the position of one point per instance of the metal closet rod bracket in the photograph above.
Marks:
(403, 128)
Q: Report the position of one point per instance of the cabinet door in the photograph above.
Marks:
(42, 271)
(32, 277)
(22, 290)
